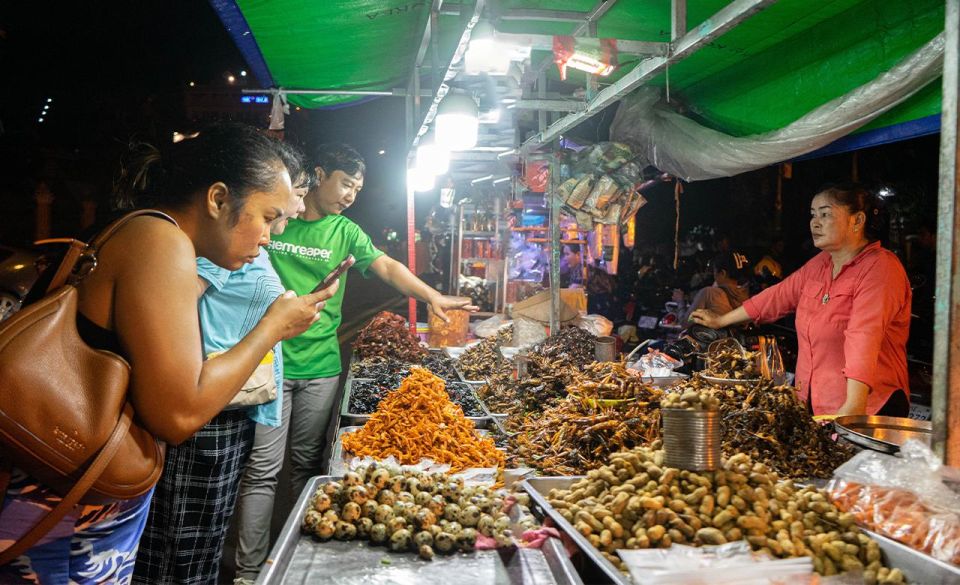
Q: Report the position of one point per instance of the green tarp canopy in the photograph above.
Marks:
(771, 69)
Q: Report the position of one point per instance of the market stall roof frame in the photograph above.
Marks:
(401, 41)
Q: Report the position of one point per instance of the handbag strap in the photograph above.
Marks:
(70, 259)
(78, 248)
(97, 242)
(93, 472)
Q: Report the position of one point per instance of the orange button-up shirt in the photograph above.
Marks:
(853, 326)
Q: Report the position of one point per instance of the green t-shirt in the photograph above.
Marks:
(305, 253)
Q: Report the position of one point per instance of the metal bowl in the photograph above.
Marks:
(729, 381)
(882, 433)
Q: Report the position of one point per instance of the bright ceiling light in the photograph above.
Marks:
(485, 54)
(431, 156)
(243, 74)
(231, 78)
(594, 56)
(457, 123)
(420, 179)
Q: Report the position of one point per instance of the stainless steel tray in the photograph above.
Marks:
(729, 381)
(882, 433)
(299, 559)
(455, 353)
(916, 566)
(352, 418)
(538, 488)
(340, 459)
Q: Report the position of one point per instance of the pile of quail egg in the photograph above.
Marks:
(408, 511)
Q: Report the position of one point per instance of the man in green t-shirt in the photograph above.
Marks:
(307, 251)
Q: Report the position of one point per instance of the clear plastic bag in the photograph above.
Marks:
(595, 324)
(771, 361)
(732, 564)
(527, 332)
(656, 364)
(904, 498)
(490, 327)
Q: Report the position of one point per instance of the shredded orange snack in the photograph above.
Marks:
(419, 421)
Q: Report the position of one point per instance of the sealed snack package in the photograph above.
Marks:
(904, 498)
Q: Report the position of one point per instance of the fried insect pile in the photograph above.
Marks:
(770, 424)
(391, 371)
(579, 434)
(733, 363)
(418, 421)
(387, 335)
(573, 346)
(610, 381)
(483, 360)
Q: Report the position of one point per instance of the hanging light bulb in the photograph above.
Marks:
(420, 179)
(485, 54)
(457, 122)
(431, 156)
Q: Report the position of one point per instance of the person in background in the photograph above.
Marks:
(220, 192)
(731, 276)
(194, 500)
(852, 304)
(571, 267)
(308, 250)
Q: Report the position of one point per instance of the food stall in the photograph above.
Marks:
(592, 438)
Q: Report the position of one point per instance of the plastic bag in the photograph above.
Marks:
(732, 563)
(490, 327)
(596, 324)
(771, 361)
(904, 498)
(527, 332)
(656, 364)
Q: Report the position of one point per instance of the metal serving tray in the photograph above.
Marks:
(352, 418)
(882, 433)
(340, 459)
(300, 559)
(538, 488)
(917, 567)
(455, 353)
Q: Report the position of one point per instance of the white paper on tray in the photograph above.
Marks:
(732, 563)
(470, 476)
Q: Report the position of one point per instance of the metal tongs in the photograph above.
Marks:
(725, 345)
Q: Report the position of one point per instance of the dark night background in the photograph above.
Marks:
(118, 71)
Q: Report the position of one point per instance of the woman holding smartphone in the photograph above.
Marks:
(220, 191)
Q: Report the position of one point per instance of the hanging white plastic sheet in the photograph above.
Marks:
(683, 148)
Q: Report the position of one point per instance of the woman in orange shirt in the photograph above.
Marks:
(852, 305)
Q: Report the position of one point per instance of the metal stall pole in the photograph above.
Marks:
(411, 248)
(946, 338)
(554, 244)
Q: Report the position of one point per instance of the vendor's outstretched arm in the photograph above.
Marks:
(399, 277)
(710, 319)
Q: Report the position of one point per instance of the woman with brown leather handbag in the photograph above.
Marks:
(220, 192)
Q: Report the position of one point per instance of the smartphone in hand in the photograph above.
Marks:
(334, 274)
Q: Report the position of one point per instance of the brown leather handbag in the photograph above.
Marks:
(64, 414)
